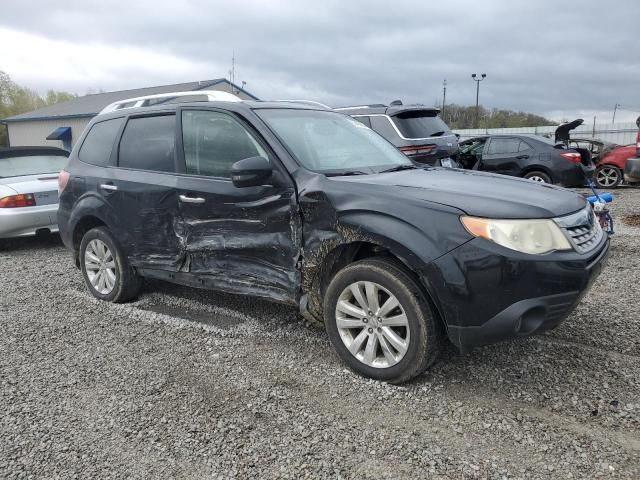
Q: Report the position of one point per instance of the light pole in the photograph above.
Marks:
(444, 97)
(615, 108)
(478, 80)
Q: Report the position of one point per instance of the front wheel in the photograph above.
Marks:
(379, 321)
(608, 176)
(539, 177)
(105, 269)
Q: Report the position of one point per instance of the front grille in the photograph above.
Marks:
(582, 229)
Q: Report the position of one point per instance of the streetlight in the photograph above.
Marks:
(478, 80)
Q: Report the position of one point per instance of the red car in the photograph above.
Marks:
(610, 167)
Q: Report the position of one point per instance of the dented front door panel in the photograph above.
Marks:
(241, 240)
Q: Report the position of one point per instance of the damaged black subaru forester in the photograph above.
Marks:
(299, 204)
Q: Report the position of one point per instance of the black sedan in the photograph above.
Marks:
(536, 158)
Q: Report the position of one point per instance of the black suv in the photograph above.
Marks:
(306, 206)
(416, 130)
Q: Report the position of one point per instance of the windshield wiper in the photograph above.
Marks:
(346, 173)
(398, 168)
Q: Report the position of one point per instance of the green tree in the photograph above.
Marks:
(15, 99)
(462, 116)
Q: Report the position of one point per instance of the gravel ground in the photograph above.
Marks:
(192, 384)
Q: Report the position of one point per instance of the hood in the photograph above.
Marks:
(476, 193)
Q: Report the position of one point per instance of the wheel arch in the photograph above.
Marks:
(538, 168)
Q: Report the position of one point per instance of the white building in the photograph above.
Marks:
(60, 125)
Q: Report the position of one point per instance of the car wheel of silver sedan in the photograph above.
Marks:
(380, 322)
(105, 269)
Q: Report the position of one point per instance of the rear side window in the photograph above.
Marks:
(148, 143)
(97, 146)
(382, 125)
(214, 141)
(364, 120)
(419, 125)
(503, 145)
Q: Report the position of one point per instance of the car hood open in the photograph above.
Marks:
(476, 193)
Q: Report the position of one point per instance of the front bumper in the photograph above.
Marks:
(26, 221)
(632, 170)
(487, 294)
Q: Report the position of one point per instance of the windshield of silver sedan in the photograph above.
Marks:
(332, 143)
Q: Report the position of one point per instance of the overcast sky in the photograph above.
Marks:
(556, 58)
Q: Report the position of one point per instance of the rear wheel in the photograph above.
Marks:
(608, 176)
(538, 176)
(106, 270)
(379, 321)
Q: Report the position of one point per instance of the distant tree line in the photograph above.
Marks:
(15, 99)
(460, 116)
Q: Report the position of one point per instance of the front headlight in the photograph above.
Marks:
(527, 236)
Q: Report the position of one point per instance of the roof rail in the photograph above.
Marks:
(212, 96)
(373, 105)
(309, 102)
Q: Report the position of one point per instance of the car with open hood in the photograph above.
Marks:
(306, 206)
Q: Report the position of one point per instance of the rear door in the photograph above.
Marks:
(241, 240)
(506, 155)
(143, 194)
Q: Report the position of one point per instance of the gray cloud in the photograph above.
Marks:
(543, 56)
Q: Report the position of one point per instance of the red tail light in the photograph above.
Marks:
(63, 179)
(572, 157)
(417, 149)
(17, 201)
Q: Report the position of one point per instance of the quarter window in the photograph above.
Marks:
(148, 143)
(97, 146)
(214, 141)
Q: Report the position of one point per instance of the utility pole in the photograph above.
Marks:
(615, 108)
(444, 96)
(478, 80)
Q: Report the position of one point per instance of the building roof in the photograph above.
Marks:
(91, 105)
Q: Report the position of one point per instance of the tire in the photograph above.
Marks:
(123, 283)
(608, 176)
(422, 333)
(538, 176)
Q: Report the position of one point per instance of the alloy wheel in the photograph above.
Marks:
(372, 324)
(537, 178)
(607, 176)
(100, 266)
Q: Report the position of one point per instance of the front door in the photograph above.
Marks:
(241, 240)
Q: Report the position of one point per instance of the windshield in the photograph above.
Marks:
(31, 165)
(419, 125)
(329, 142)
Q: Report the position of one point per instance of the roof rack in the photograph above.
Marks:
(308, 102)
(373, 105)
(212, 96)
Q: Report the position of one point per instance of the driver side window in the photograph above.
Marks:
(214, 141)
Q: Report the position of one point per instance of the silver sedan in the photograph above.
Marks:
(29, 190)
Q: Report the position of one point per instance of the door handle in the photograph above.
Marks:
(108, 186)
(185, 199)
(522, 157)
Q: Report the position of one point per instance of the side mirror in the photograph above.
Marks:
(251, 172)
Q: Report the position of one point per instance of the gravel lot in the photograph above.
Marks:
(193, 384)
